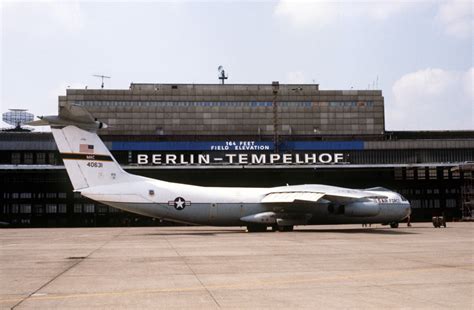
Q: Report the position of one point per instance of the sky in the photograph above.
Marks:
(419, 53)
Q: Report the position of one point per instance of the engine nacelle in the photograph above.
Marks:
(101, 125)
(362, 209)
(260, 218)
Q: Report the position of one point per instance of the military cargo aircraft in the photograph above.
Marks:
(95, 173)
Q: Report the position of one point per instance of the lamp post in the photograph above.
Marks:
(275, 88)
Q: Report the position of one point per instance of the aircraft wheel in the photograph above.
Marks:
(394, 225)
(285, 228)
(256, 228)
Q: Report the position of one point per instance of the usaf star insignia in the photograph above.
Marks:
(179, 203)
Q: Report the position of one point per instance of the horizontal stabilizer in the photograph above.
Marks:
(70, 114)
(75, 113)
(39, 122)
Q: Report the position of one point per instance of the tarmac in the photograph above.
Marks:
(315, 267)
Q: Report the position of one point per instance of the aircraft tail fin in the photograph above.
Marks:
(87, 160)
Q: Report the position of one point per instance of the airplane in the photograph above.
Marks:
(96, 174)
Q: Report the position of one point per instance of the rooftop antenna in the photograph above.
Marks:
(102, 77)
(222, 75)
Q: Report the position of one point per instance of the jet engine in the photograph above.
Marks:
(362, 209)
(260, 218)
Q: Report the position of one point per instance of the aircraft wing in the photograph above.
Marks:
(290, 197)
(307, 196)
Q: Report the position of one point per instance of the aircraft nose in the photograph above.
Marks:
(408, 209)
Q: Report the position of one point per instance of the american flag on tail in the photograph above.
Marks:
(86, 148)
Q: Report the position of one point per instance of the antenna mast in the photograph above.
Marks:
(222, 75)
(102, 77)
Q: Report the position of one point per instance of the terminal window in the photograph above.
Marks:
(421, 173)
(114, 210)
(62, 208)
(25, 208)
(51, 159)
(16, 158)
(14, 208)
(102, 209)
(40, 158)
(51, 208)
(38, 209)
(77, 208)
(89, 208)
(450, 203)
(28, 158)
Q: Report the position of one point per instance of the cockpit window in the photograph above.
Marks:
(403, 198)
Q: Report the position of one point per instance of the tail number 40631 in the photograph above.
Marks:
(94, 164)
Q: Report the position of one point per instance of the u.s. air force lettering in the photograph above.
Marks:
(240, 159)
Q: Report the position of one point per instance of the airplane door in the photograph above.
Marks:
(213, 212)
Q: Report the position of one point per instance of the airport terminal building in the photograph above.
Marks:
(238, 135)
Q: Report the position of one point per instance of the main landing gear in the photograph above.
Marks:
(282, 228)
(256, 228)
(263, 228)
(394, 225)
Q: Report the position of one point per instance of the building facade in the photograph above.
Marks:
(225, 135)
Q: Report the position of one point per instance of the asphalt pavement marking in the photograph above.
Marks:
(246, 285)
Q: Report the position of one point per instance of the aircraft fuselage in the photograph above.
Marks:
(222, 206)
